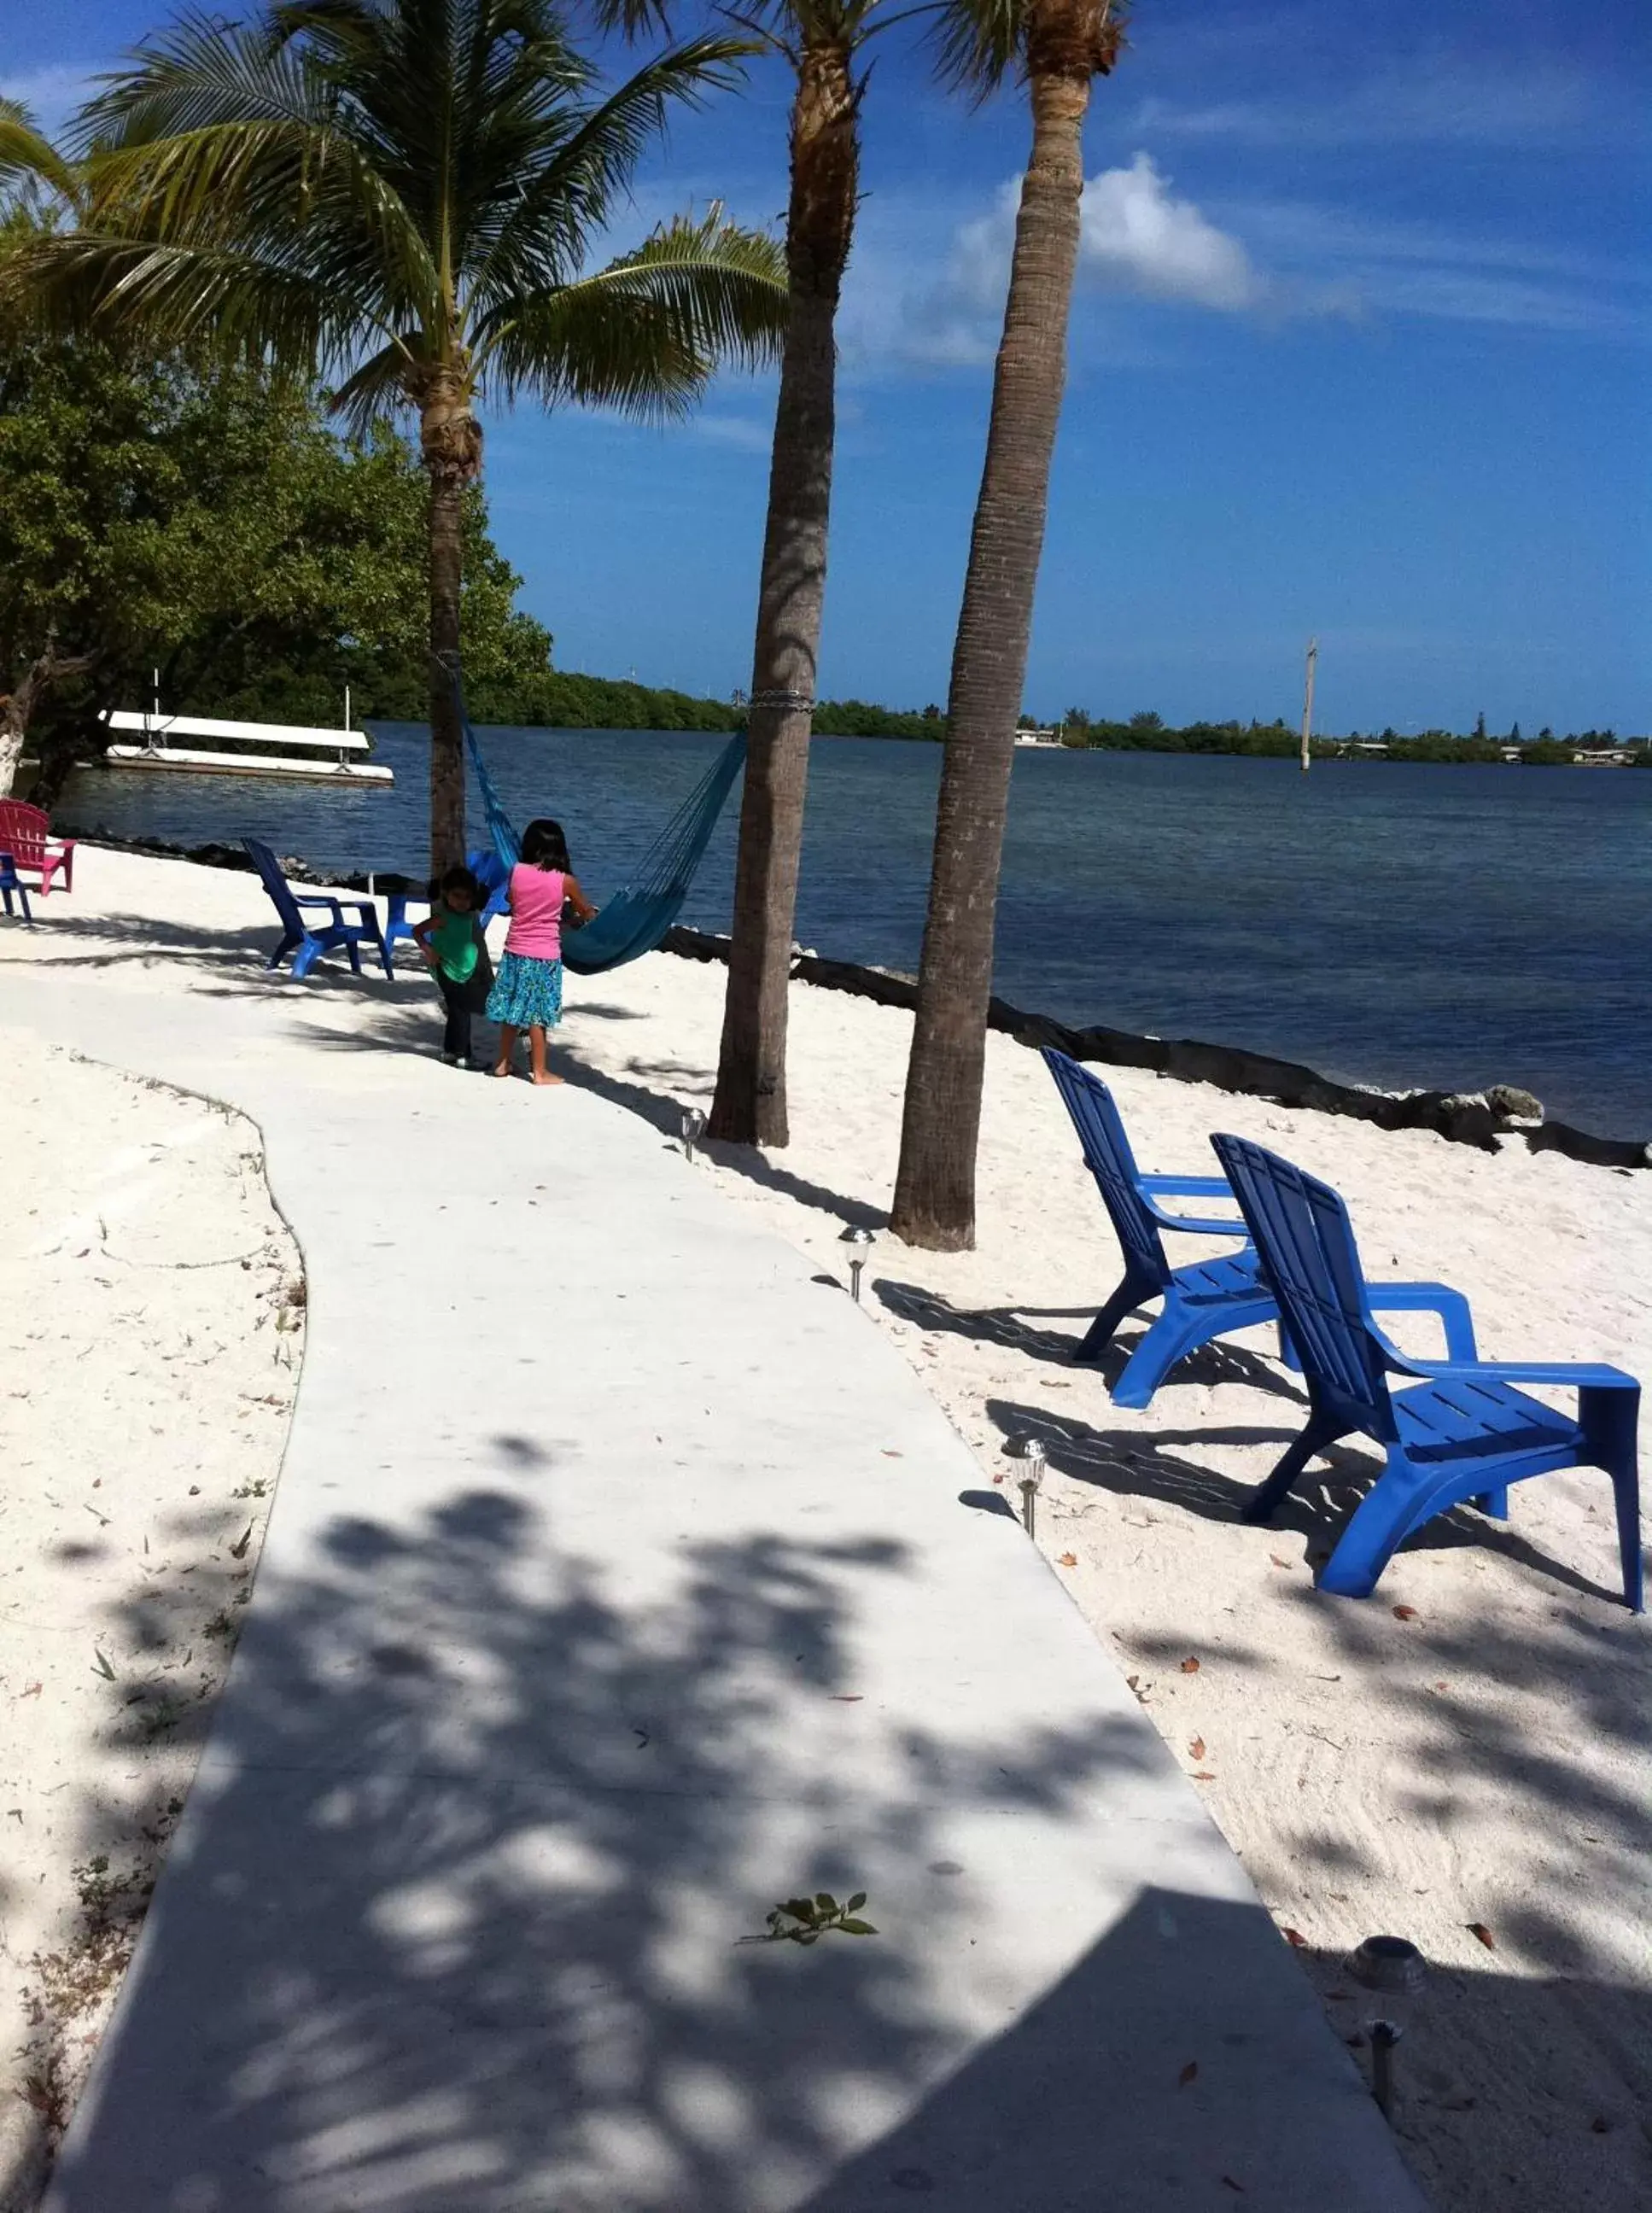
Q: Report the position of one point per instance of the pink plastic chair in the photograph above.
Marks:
(25, 834)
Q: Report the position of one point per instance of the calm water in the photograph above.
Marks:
(1394, 924)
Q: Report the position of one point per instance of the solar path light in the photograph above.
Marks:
(1393, 1966)
(859, 1242)
(1029, 1451)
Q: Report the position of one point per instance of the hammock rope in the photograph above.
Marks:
(636, 918)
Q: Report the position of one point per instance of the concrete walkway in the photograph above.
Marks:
(620, 1585)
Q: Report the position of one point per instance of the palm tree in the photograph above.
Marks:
(822, 42)
(405, 194)
(1061, 46)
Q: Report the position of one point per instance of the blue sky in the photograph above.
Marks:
(1362, 347)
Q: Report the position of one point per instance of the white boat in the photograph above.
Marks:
(158, 749)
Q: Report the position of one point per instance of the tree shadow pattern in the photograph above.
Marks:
(455, 1924)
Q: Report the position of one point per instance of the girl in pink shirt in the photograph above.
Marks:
(527, 995)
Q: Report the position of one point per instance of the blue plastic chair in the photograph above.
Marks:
(1466, 1432)
(309, 940)
(10, 882)
(1200, 1302)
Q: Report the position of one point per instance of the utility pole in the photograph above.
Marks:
(1307, 701)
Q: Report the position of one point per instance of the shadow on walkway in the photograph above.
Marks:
(507, 2001)
(511, 2007)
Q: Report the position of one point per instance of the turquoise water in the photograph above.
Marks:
(1389, 924)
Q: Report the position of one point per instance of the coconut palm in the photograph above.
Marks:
(823, 42)
(1060, 45)
(405, 195)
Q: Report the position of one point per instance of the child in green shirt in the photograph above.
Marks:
(456, 952)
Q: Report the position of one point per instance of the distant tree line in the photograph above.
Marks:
(856, 718)
(553, 699)
(1149, 732)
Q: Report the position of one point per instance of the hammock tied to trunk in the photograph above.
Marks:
(634, 919)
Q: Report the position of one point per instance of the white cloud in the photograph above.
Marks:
(1136, 238)
(926, 292)
(1135, 235)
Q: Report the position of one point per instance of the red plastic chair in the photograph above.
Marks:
(26, 835)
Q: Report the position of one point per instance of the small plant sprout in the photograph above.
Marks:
(806, 1920)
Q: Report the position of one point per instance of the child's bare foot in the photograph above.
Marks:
(540, 1077)
(502, 1070)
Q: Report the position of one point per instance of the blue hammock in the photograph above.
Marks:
(636, 918)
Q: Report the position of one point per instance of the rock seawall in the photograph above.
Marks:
(1464, 1118)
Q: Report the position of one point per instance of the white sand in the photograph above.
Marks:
(1481, 1759)
(144, 1397)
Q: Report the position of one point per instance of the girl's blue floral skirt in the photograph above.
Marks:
(526, 994)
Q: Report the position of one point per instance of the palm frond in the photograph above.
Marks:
(976, 42)
(646, 334)
(349, 27)
(537, 237)
(199, 73)
(630, 18)
(28, 159)
(361, 186)
(376, 387)
(799, 23)
(186, 295)
(220, 144)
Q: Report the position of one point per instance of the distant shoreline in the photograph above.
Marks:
(1258, 741)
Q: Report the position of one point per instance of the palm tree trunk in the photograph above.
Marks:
(450, 443)
(750, 1104)
(934, 1185)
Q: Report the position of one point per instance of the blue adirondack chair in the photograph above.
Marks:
(1465, 1432)
(1201, 1301)
(311, 939)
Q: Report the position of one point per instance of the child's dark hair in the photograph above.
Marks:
(459, 879)
(544, 846)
